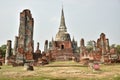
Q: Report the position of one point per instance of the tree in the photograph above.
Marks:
(89, 46)
(3, 50)
(113, 46)
(118, 49)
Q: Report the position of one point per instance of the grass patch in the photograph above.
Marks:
(66, 70)
(64, 64)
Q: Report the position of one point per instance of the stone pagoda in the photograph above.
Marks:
(62, 48)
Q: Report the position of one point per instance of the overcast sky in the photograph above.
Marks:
(84, 19)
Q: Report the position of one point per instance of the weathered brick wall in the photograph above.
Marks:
(24, 42)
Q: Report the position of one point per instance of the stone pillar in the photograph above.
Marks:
(102, 45)
(82, 43)
(74, 44)
(38, 46)
(38, 51)
(46, 46)
(102, 42)
(102, 38)
(94, 46)
(15, 45)
(82, 46)
(8, 51)
(107, 45)
(98, 43)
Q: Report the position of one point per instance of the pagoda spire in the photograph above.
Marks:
(62, 34)
(62, 27)
(73, 39)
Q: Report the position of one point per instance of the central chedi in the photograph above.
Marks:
(61, 48)
(62, 34)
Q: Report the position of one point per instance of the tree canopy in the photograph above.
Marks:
(118, 49)
(89, 46)
(3, 50)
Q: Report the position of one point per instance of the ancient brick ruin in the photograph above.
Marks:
(100, 52)
(60, 48)
(23, 46)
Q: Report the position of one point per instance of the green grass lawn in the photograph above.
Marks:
(66, 70)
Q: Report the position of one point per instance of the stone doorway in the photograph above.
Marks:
(62, 46)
